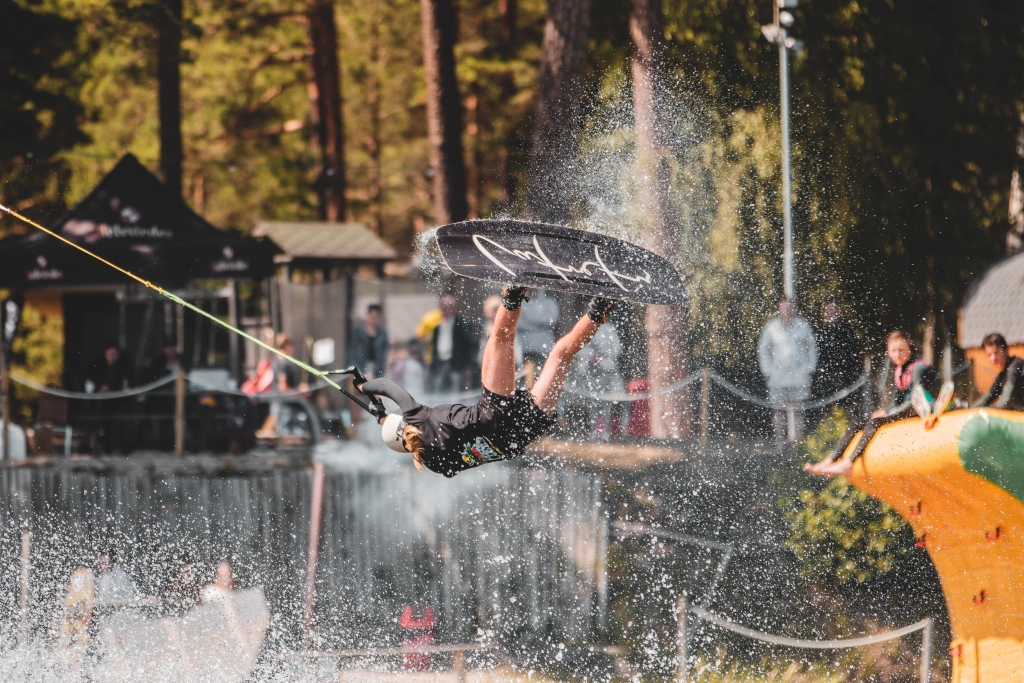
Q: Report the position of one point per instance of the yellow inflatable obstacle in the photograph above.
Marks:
(960, 485)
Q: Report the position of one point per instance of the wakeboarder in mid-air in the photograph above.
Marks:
(448, 439)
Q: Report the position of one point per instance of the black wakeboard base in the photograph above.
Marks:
(558, 258)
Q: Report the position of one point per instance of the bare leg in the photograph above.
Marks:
(498, 369)
(548, 387)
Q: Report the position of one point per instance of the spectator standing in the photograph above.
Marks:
(158, 425)
(839, 357)
(595, 371)
(368, 345)
(788, 355)
(78, 606)
(287, 378)
(453, 350)
(1007, 390)
(185, 588)
(405, 369)
(107, 373)
(113, 587)
(222, 586)
(536, 329)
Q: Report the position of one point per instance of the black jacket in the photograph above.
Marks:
(1007, 390)
(464, 345)
(839, 360)
(365, 351)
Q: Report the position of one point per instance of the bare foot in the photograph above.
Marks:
(830, 468)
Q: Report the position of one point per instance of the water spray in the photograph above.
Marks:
(375, 408)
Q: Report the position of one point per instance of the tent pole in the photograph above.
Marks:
(179, 390)
(5, 387)
(233, 345)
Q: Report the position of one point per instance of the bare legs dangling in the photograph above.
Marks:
(498, 370)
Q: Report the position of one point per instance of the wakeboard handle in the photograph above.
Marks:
(375, 406)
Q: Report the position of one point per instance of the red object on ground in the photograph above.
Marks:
(421, 634)
(640, 409)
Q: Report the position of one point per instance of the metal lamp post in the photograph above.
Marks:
(776, 33)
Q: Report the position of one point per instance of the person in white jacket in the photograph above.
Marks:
(788, 356)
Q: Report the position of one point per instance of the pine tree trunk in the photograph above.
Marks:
(667, 351)
(508, 10)
(373, 141)
(323, 37)
(444, 111)
(474, 180)
(557, 125)
(169, 94)
(1015, 235)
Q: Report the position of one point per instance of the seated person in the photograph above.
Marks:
(1007, 390)
(910, 372)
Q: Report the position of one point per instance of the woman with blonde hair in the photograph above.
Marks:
(448, 439)
(909, 372)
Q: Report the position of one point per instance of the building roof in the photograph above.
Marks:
(995, 303)
(325, 241)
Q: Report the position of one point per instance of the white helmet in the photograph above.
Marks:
(391, 432)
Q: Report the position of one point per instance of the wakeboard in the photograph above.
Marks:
(558, 258)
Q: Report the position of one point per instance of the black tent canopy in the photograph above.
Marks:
(133, 220)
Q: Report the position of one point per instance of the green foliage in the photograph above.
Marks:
(38, 117)
(37, 353)
(902, 150)
(840, 534)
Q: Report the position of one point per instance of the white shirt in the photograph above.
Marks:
(787, 354)
(114, 587)
(444, 339)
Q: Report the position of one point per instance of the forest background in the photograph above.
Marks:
(906, 133)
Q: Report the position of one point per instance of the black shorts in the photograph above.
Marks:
(516, 420)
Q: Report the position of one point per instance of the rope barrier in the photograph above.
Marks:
(96, 396)
(809, 644)
(460, 397)
(264, 396)
(624, 397)
(805, 405)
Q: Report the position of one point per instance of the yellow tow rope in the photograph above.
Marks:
(176, 299)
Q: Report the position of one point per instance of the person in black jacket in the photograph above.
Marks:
(368, 344)
(1007, 390)
(839, 361)
(453, 349)
(448, 439)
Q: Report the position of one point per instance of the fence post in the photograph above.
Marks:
(866, 402)
(459, 666)
(5, 387)
(315, 524)
(705, 409)
(971, 394)
(26, 556)
(926, 652)
(179, 389)
(681, 649)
